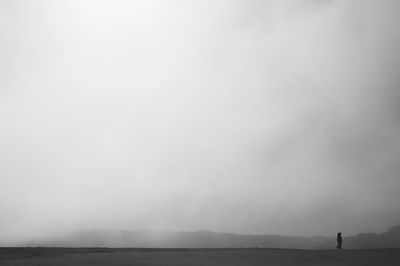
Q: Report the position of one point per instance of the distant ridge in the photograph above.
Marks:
(209, 239)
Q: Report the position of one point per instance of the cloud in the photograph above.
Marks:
(242, 116)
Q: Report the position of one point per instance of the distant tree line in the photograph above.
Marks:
(208, 239)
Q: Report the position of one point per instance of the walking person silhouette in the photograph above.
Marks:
(339, 241)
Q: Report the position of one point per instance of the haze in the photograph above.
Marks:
(245, 116)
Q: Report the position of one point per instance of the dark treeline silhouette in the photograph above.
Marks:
(208, 239)
(388, 239)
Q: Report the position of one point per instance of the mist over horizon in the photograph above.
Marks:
(114, 238)
(239, 116)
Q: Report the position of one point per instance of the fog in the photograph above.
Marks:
(245, 116)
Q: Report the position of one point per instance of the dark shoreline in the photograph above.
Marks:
(66, 256)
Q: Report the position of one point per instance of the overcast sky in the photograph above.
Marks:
(244, 116)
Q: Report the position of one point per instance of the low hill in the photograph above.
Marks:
(208, 239)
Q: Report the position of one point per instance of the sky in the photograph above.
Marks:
(243, 116)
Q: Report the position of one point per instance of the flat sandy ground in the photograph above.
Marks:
(187, 257)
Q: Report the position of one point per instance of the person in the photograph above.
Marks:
(339, 241)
